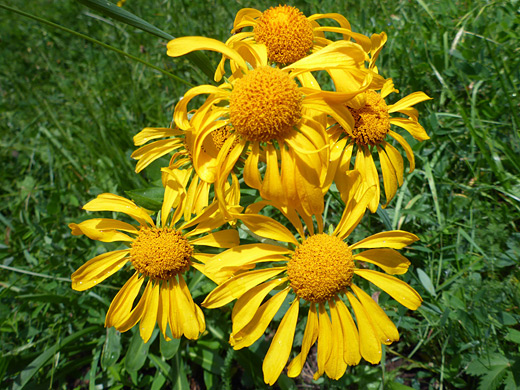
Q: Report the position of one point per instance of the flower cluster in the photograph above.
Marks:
(297, 113)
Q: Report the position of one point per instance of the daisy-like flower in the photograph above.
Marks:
(280, 123)
(159, 253)
(322, 273)
(369, 130)
(288, 34)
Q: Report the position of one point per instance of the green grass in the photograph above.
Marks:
(69, 109)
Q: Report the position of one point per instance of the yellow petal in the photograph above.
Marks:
(388, 88)
(389, 175)
(397, 289)
(408, 101)
(384, 327)
(174, 317)
(186, 311)
(391, 261)
(397, 161)
(281, 346)
(370, 346)
(251, 173)
(103, 229)
(365, 165)
(396, 239)
(247, 305)
(411, 126)
(272, 185)
(267, 227)
(163, 310)
(351, 354)
(137, 312)
(111, 202)
(245, 254)
(361, 39)
(147, 324)
(406, 147)
(198, 312)
(181, 46)
(257, 326)
(221, 239)
(122, 303)
(150, 133)
(98, 269)
(324, 340)
(309, 338)
(238, 285)
(151, 152)
(336, 366)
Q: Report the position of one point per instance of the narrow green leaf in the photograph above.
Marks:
(110, 9)
(207, 358)
(111, 348)
(138, 351)
(169, 348)
(426, 281)
(93, 371)
(178, 372)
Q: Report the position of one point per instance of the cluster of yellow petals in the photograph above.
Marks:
(161, 253)
(320, 268)
(286, 32)
(265, 104)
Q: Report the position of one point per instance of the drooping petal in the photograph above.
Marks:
(365, 165)
(150, 133)
(267, 227)
(257, 326)
(149, 318)
(151, 152)
(411, 126)
(389, 175)
(324, 340)
(369, 345)
(397, 161)
(280, 348)
(221, 239)
(111, 202)
(408, 101)
(336, 366)
(184, 45)
(137, 312)
(397, 289)
(245, 254)
(382, 324)
(103, 229)
(351, 354)
(196, 309)
(98, 269)
(391, 261)
(246, 306)
(186, 312)
(163, 311)
(122, 303)
(309, 338)
(406, 146)
(238, 285)
(396, 239)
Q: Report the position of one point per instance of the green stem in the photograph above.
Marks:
(44, 21)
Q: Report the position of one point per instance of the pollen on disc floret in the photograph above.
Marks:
(265, 104)
(320, 268)
(161, 253)
(286, 32)
(372, 121)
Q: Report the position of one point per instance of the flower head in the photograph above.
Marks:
(368, 125)
(160, 254)
(321, 273)
(275, 116)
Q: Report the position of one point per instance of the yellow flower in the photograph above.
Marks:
(160, 253)
(321, 272)
(288, 34)
(370, 124)
(278, 122)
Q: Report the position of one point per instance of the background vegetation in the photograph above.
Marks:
(69, 109)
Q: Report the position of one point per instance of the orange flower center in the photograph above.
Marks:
(265, 104)
(220, 136)
(161, 253)
(286, 33)
(372, 121)
(321, 267)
